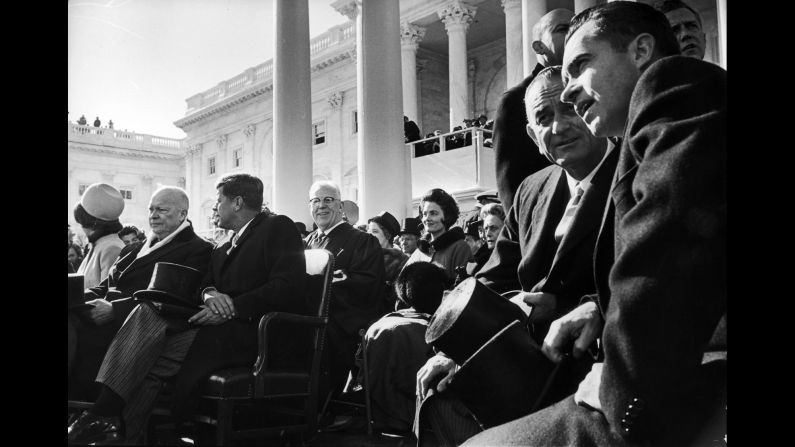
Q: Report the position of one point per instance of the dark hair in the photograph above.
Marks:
(247, 186)
(421, 285)
(130, 229)
(620, 22)
(446, 202)
(101, 227)
(666, 6)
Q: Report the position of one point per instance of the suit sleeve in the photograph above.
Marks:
(668, 282)
(500, 271)
(283, 290)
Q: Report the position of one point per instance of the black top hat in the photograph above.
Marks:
(510, 377)
(75, 292)
(411, 225)
(469, 316)
(473, 228)
(387, 222)
(172, 284)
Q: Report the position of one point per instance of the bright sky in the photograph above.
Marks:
(136, 61)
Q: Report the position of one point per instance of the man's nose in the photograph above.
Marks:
(569, 93)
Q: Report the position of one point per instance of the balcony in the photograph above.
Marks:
(461, 171)
(103, 136)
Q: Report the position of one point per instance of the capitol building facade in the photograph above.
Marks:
(340, 116)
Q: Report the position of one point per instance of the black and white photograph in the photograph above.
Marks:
(397, 223)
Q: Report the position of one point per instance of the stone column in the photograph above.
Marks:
(410, 37)
(532, 10)
(722, 32)
(292, 110)
(335, 127)
(582, 5)
(456, 17)
(189, 177)
(383, 172)
(514, 67)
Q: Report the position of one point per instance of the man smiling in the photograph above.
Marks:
(662, 297)
(358, 287)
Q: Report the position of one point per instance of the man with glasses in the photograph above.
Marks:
(358, 279)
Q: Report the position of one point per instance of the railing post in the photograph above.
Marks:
(442, 143)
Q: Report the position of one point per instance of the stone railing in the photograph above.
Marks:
(332, 38)
(120, 138)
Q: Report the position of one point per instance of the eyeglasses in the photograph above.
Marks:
(326, 200)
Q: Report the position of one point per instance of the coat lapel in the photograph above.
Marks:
(240, 241)
(589, 213)
(154, 256)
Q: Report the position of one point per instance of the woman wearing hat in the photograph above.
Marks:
(384, 227)
(447, 247)
(98, 213)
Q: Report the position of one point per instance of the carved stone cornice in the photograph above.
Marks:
(411, 35)
(128, 153)
(248, 131)
(224, 105)
(456, 15)
(221, 141)
(192, 149)
(335, 100)
(335, 59)
(349, 8)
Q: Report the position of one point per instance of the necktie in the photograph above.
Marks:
(568, 216)
(234, 243)
(320, 242)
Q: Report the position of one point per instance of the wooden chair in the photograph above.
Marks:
(275, 391)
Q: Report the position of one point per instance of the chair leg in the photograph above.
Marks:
(366, 389)
(224, 429)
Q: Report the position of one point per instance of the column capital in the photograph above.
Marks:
(335, 100)
(411, 35)
(348, 8)
(510, 4)
(456, 15)
(248, 131)
(221, 141)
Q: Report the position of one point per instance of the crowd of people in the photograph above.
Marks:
(608, 229)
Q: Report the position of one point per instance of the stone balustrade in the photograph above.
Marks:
(335, 36)
(120, 138)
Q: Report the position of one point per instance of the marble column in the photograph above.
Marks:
(456, 17)
(582, 5)
(514, 66)
(383, 172)
(410, 37)
(532, 10)
(292, 110)
(722, 32)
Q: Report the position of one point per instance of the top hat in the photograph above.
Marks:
(473, 228)
(510, 377)
(488, 197)
(469, 316)
(411, 225)
(75, 292)
(387, 222)
(172, 284)
(102, 201)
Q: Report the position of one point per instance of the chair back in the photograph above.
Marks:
(320, 268)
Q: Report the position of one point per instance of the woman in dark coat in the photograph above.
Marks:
(384, 227)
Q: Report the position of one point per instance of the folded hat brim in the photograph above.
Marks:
(81, 306)
(164, 297)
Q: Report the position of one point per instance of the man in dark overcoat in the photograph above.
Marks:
(664, 231)
(259, 270)
(172, 240)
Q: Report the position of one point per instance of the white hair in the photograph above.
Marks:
(327, 184)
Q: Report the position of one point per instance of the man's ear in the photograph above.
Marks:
(532, 134)
(238, 203)
(539, 47)
(641, 49)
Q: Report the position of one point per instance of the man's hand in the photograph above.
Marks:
(544, 305)
(587, 394)
(582, 325)
(220, 304)
(207, 317)
(102, 312)
(435, 366)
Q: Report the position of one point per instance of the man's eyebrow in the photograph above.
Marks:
(561, 27)
(574, 62)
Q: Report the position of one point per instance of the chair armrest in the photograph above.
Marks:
(268, 319)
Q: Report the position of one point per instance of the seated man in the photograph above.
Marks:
(396, 348)
(261, 269)
(661, 298)
(172, 240)
(547, 243)
(358, 287)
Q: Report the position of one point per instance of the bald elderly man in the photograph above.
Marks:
(172, 240)
(516, 155)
